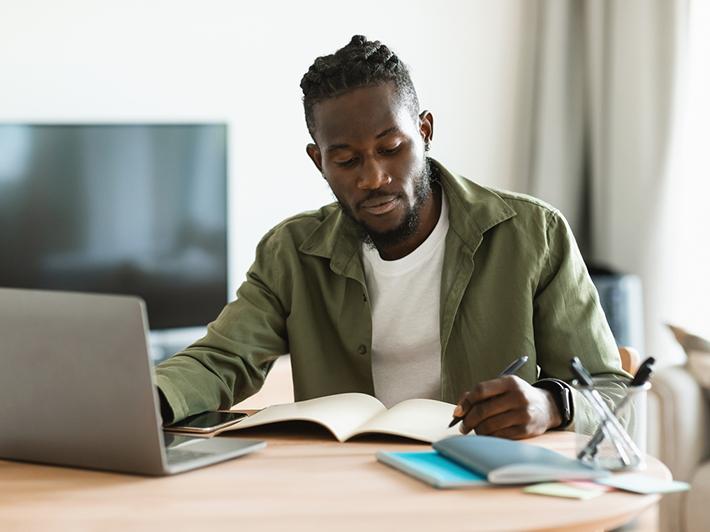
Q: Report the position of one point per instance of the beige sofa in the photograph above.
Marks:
(679, 435)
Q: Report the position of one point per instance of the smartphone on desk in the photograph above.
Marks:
(205, 422)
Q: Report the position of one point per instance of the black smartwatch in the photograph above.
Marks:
(563, 399)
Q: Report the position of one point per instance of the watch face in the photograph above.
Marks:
(565, 408)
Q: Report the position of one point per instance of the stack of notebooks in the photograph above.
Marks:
(464, 461)
(470, 461)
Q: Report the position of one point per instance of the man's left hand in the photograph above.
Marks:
(508, 407)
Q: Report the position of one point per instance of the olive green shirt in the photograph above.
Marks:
(513, 283)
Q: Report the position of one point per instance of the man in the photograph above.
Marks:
(416, 283)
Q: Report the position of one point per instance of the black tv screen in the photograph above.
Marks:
(124, 209)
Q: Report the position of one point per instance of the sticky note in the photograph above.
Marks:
(587, 485)
(644, 484)
(562, 489)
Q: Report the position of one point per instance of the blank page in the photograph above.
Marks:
(420, 419)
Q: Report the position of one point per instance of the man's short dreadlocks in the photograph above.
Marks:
(361, 63)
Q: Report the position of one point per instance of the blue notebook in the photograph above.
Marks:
(514, 462)
(432, 468)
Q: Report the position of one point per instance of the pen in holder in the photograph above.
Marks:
(617, 438)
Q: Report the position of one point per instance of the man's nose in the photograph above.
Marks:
(372, 176)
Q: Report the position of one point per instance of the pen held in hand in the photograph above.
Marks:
(509, 370)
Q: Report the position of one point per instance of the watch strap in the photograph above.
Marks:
(562, 395)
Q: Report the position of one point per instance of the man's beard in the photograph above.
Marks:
(410, 223)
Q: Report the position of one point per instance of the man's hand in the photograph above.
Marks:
(508, 407)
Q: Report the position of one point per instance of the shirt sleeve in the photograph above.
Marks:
(569, 321)
(231, 362)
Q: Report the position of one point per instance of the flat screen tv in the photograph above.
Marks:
(125, 209)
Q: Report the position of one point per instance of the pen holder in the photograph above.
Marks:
(602, 444)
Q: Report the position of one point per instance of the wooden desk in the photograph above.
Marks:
(297, 483)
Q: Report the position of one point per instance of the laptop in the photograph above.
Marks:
(77, 388)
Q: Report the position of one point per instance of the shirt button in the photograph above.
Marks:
(362, 349)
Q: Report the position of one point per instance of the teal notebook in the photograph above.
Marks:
(432, 468)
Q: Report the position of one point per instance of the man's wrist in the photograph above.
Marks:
(553, 409)
(561, 399)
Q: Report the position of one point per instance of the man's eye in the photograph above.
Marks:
(390, 151)
(347, 163)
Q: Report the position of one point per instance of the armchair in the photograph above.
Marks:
(680, 413)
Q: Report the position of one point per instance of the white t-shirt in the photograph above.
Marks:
(404, 298)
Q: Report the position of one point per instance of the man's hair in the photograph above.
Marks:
(361, 63)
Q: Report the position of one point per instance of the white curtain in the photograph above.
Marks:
(685, 212)
(599, 102)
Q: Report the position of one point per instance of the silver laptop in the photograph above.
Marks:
(76, 388)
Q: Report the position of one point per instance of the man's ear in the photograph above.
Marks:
(426, 126)
(314, 153)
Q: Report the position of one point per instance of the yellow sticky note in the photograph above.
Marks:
(559, 489)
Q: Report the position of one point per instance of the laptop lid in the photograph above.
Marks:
(76, 385)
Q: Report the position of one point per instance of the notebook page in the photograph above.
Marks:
(341, 413)
(420, 419)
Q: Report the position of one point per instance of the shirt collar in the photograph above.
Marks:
(473, 210)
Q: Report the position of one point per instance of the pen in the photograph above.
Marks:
(509, 370)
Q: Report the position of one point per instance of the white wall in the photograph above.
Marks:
(241, 62)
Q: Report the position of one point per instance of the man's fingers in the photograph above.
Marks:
(516, 432)
(487, 389)
(463, 405)
(507, 407)
(483, 410)
(495, 422)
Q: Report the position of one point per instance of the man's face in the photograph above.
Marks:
(370, 149)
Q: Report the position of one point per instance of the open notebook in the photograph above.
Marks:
(350, 414)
